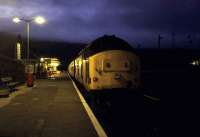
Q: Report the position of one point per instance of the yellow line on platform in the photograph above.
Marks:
(95, 122)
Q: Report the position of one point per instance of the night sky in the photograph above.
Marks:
(137, 21)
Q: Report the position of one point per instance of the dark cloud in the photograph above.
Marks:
(78, 20)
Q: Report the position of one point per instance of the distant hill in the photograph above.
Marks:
(66, 51)
(7, 44)
(62, 50)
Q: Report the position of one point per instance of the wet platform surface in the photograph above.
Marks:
(50, 109)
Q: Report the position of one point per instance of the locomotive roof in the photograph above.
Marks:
(105, 43)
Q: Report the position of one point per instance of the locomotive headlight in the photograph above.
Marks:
(95, 79)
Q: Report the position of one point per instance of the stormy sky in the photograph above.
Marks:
(137, 21)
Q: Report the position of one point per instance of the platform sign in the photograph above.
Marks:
(29, 68)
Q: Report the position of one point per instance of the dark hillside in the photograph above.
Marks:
(63, 50)
(170, 71)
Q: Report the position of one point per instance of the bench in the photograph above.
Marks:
(4, 89)
(8, 82)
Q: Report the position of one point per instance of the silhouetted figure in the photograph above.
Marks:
(19, 38)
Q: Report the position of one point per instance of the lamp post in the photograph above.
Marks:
(29, 66)
(38, 20)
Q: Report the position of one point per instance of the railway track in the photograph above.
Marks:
(127, 115)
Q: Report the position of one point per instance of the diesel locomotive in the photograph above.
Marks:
(106, 63)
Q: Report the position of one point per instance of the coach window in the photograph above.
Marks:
(77, 65)
(87, 71)
(81, 69)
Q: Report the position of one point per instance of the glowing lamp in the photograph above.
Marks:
(16, 20)
(39, 20)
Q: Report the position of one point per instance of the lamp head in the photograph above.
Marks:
(39, 20)
(16, 20)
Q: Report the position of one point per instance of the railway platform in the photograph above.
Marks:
(51, 108)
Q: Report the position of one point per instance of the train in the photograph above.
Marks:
(107, 63)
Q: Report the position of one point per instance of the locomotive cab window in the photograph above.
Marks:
(127, 65)
(108, 65)
(116, 65)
